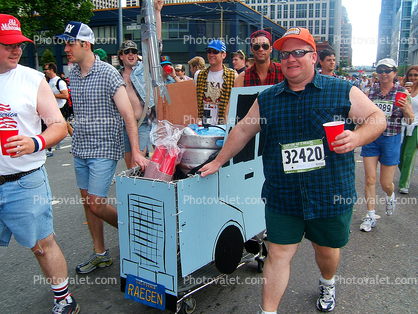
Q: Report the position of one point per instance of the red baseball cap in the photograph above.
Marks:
(297, 33)
(10, 32)
(261, 33)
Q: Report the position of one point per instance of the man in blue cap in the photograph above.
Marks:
(100, 102)
(214, 85)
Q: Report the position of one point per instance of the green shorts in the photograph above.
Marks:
(330, 232)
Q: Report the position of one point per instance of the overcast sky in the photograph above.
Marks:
(364, 17)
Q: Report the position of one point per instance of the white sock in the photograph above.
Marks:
(264, 312)
(372, 214)
(327, 282)
(101, 254)
(390, 197)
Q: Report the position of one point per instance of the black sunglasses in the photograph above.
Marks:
(387, 71)
(256, 47)
(215, 52)
(298, 53)
(128, 51)
(413, 74)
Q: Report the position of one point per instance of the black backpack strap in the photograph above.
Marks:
(57, 84)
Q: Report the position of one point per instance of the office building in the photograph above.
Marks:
(346, 52)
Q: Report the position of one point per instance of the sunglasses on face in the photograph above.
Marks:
(215, 52)
(298, 53)
(413, 75)
(10, 48)
(387, 71)
(128, 51)
(256, 47)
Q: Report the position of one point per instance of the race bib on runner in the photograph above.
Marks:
(303, 156)
(385, 106)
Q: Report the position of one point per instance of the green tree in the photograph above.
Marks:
(47, 57)
(46, 17)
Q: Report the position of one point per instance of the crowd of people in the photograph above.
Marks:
(298, 205)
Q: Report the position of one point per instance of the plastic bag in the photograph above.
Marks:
(167, 153)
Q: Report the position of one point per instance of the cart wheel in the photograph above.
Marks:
(188, 306)
(260, 265)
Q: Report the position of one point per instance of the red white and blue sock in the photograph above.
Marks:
(61, 290)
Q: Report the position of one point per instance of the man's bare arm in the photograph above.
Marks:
(237, 139)
(370, 119)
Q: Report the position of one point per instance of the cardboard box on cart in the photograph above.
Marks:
(173, 233)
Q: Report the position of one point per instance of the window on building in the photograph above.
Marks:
(317, 10)
(201, 28)
(292, 11)
(310, 27)
(311, 10)
(316, 27)
(300, 23)
(242, 30)
(106, 33)
(291, 24)
(265, 10)
(324, 9)
(323, 27)
(285, 11)
(301, 11)
(279, 12)
(177, 29)
(272, 11)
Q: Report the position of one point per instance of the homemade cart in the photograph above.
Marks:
(177, 237)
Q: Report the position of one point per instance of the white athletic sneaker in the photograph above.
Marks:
(367, 224)
(326, 300)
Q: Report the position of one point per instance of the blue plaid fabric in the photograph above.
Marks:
(98, 123)
(394, 122)
(291, 117)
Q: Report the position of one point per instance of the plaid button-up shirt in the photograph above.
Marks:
(292, 117)
(394, 122)
(98, 123)
(274, 75)
(201, 86)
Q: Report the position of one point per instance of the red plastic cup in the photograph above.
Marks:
(332, 129)
(399, 95)
(169, 162)
(159, 154)
(5, 133)
(167, 69)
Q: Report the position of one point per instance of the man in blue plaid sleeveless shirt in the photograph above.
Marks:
(303, 177)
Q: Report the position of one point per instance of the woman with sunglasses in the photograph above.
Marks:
(386, 149)
(410, 138)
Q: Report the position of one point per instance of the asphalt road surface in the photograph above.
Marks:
(378, 272)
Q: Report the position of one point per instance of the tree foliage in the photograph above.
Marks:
(47, 57)
(47, 15)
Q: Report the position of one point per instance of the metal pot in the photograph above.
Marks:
(198, 149)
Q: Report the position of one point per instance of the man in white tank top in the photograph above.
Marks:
(26, 212)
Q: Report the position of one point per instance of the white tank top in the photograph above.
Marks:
(18, 106)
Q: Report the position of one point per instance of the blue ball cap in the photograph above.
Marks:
(217, 45)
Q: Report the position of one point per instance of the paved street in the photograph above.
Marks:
(378, 272)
